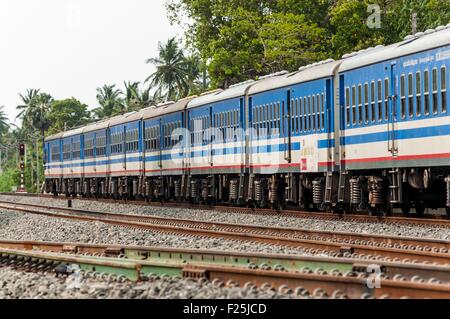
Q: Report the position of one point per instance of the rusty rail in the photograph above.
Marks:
(338, 244)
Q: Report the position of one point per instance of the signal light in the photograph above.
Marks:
(22, 149)
(22, 166)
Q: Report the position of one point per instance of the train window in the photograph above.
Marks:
(354, 105)
(268, 119)
(323, 110)
(347, 105)
(314, 112)
(426, 93)
(418, 93)
(305, 115)
(435, 92)
(444, 89)
(309, 114)
(293, 119)
(319, 112)
(380, 100)
(300, 115)
(386, 99)
(278, 117)
(366, 103)
(372, 102)
(360, 115)
(411, 95)
(403, 96)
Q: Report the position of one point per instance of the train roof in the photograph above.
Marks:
(125, 118)
(99, 125)
(74, 132)
(421, 41)
(306, 73)
(53, 137)
(234, 91)
(178, 106)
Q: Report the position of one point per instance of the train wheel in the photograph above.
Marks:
(420, 209)
(406, 208)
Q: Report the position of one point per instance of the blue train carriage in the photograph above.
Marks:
(53, 164)
(395, 130)
(292, 118)
(95, 159)
(216, 123)
(72, 162)
(125, 166)
(166, 151)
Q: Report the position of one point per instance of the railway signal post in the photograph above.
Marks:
(22, 168)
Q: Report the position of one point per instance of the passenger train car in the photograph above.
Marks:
(369, 132)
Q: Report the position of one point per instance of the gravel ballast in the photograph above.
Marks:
(418, 231)
(16, 284)
(28, 227)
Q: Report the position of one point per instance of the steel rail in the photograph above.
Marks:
(434, 220)
(367, 246)
(320, 285)
(247, 260)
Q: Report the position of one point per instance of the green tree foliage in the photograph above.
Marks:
(136, 98)
(170, 77)
(67, 114)
(110, 100)
(4, 125)
(243, 39)
(34, 111)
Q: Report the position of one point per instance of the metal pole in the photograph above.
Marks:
(414, 23)
(37, 165)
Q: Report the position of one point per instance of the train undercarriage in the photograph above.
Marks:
(377, 192)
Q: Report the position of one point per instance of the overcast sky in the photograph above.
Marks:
(70, 47)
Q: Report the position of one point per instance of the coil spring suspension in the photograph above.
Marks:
(355, 191)
(177, 188)
(205, 189)
(260, 186)
(194, 189)
(274, 195)
(376, 196)
(318, 191)
(234, 189)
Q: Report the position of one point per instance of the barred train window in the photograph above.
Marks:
(314, 113)
(366, 103)
(435, 92)
(347, 106)
(354, 105)
(426, 93)
(380, 100)
(323, 111)
(444, 89)
(360, 116)
(418, 93)
(372, 101)
(403, 96)
(410, 95)
(386, 99)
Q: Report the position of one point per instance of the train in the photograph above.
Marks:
(369, 132)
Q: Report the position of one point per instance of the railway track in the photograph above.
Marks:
(340, 279)
(361, 246)
(431, 220)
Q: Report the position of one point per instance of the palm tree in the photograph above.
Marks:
(131, 95)
(26, 98)
(135, 98)
(110, 100)
(170, 77)
(35, 109)
(4, 126)
(196, 74)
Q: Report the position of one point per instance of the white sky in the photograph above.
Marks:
(70, 47)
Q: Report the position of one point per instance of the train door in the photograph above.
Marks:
(287, 127)
(392, 116)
